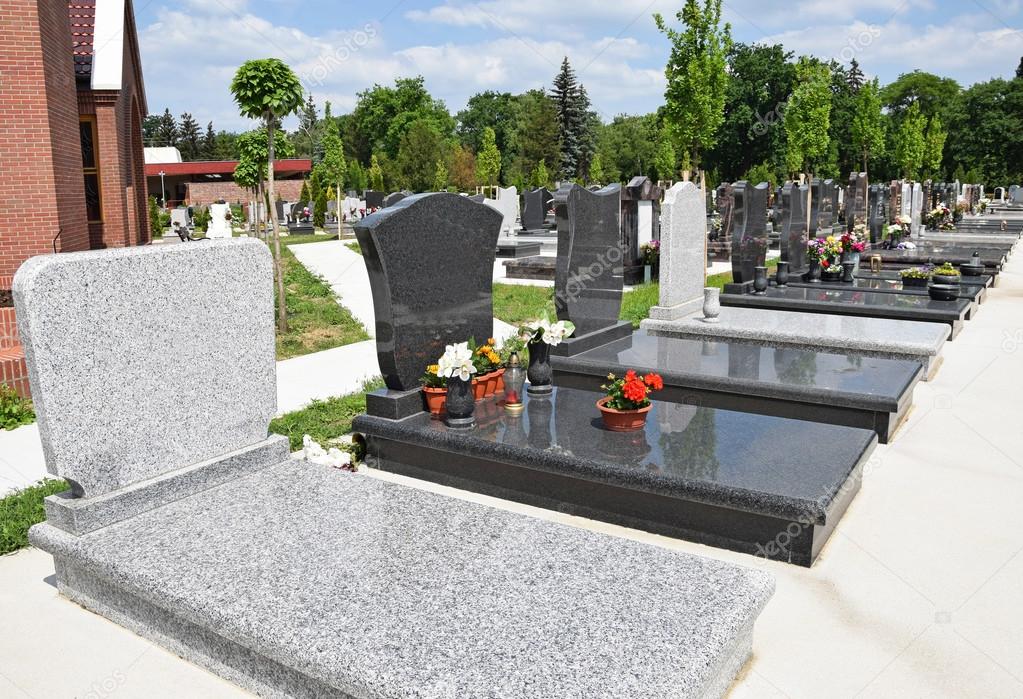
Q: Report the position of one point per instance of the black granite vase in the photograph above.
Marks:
(848, 271)
(539, 373)
(461, 403)
(814, 275)
(782, 277)
(760, 280)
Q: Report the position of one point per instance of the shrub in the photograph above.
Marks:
(201, 218)
(159, 220)
(15, 411)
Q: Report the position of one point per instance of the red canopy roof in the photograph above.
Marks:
(290, 166)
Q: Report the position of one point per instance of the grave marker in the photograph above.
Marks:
(683, 252)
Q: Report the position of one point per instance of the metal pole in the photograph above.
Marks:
(163, 190)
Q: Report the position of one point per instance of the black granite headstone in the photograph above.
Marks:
(374, 199)
(477, 198)
(720, 242)
(829, 204)
(749, 234)
(430, 259)
(279, 207)
(877, 200)
(793, 238)
(393, 198)
(589, 274)
(894, 200)
(816, 196)
(856, 200)
(639, 189)
(534, 211)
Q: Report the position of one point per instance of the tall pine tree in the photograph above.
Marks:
(571, 105)
(209, 143)
(189, 137)
(167, 130)
(855, 77)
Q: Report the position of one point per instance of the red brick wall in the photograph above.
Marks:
(206, 193)
(41, 188)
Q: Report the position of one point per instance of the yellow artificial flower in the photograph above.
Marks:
(432, 369)
(491, 341)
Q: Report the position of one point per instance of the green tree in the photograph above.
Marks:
(931, 93)
(357, 178)
(628, 146)
(498, 110)
(307, 137)
(167, 130)
(376, 174)
(189, 137)
(540, 177)
(987, 120)
(665, 159)
(304, 196)
(333, 168)
(868, 133)
(909, 142)
(808, 115)
(488, 160)
(267, 89)
(382, 115)
(421, 147)
(855, 76)
(697, 77)
(571, 107)
(208, 150)
(597, 170)
(934, 147)
(535, 133)
(440, 177)
(762, 172)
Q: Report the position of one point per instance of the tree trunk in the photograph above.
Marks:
(282, 309)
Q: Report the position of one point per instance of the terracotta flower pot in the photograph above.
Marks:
(499, 381)
(479, 387)
(435, 399)
(491, 384)
(622, 420)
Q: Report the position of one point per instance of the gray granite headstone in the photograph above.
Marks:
(393, 198)
(1016, 194)
(877, 200)
(92, 323)
(793, 239)
(816, 196)
(906, 199)
(894, 200)
(749, 235)
(916, 209)
(589, 274)
(826, 213)
(856, 200)
(430, 259)
(683, 252)
(477, 199)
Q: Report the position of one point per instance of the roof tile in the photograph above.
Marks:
(82, 15)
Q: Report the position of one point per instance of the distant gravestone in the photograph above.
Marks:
(683, 252)
(640, 222)
(180, 219)
(793, 239)
(108, 415)
(1016, 194)
(589, 276)
(928, 191)
(856, 200)
(906, 200)
(374, 199)
(393, 198)
(916, 209)
(282, 215)
(877, 200)
(477, 199)
(894, 200)
(507, 204)
(534, 212)
(817, 196)
(720, 244)
(829, 204)
(430, 259)
(219, 226)
(749, 237)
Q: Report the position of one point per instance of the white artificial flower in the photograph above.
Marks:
(311, 450)
(456, 361)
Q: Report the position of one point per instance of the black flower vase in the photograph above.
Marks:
(539, 372)
(760, 281)
(848, 270)
(814, 275)
(460, 403)
(782, 277)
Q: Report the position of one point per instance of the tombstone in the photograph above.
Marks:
(534, 211)
(507, 204)
(749, 236)
(478, 199)
(256, 212)
(430, 259)
(720, 243)
(331, 214)
(220, 226)
(95, 432)
(856, 201)
(793, 239)
(877, 219)
(588, 278)
(906, 199)
(829, 204)
(916, 209)
(640, 219)
(928, 189)
(374, 199)
(393, 198)
(999, 194)
(683, 252)
(816, 195)
(1016, 194)
(180, 219)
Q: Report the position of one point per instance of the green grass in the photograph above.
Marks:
(323, 420)
(21, 509)
(636, 303)
(15, 411)
(354, 247)
(289, 240)
(519, 303)
(316, 321)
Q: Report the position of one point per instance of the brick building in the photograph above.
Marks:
(72, 102)
(204, 182)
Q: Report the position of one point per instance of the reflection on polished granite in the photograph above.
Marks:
(735, 367)
(891, 285)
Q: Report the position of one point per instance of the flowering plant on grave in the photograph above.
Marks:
(855, 241)
(431, 379)
(632, 391)
(485, 357)
(456, 362)
(815, 251)
(651, 252)
(923, 272)
(547, 332)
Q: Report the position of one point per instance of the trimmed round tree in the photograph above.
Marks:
(269, 90)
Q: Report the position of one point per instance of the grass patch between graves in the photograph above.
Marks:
(323, 420)
(21, 509)
(15, 411)
(354, 247)
(516, 304)
(316, 321)
(636, 303)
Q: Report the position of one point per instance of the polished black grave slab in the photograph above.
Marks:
(869, 304)
(983, 280)
(974, 293)
(763, 485)
(993, 259)
(517, 249)
(866, 392)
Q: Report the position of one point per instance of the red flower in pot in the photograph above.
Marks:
(627, 403)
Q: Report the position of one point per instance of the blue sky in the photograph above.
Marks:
(191, 48)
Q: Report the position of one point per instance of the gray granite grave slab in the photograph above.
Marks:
(728, 479)
(872, 337)
(430, 259)
(91, 324)
(683, 252)
(831, 387)
(301, 580)
(589, 271)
